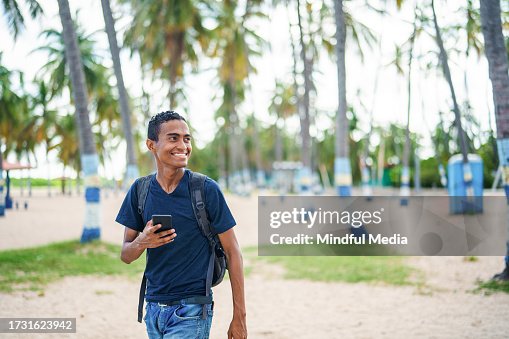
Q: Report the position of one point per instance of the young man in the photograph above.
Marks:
(177, 259)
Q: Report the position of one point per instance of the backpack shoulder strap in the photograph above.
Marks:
(141, 186)
(142, 191)
(197, 189)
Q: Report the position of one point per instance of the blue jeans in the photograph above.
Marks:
(176, 322)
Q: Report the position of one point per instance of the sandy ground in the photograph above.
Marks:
(105, 307)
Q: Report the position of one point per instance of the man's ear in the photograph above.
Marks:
(150, 144)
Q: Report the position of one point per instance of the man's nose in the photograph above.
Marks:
(181, 145)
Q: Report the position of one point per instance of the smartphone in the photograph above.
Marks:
(164, 220)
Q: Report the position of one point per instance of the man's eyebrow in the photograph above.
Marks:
(177, 135)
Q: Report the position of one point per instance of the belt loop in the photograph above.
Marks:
(204, 311)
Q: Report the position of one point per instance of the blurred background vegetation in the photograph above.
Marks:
(174, 39)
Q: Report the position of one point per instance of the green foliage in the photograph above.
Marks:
(103, 103)
(35, 182)
(33, 268)
(172, 38)
(205, 161)
(14, 14)
(14, 112)
(487, 152)
(430, 176)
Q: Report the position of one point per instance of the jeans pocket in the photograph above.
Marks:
(189, 312)
(192, 311)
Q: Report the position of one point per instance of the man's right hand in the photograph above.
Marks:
(149, 239)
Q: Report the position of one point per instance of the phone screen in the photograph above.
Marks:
(164, 220)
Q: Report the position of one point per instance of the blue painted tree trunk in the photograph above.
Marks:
(91, 227)
(343, 177)
(405, 186)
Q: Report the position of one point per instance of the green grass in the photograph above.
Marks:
(353, 269)
(34, 268)
(325, 250)
(470, 259)
(490, 287)
(389, 270)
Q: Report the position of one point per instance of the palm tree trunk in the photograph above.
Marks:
(467, 170)
(294, 71)
(145, 97)
(260, 176)
(132, 167)
(496, 54)
(445, 65)
(304, 116)
(174, 46)
(405, 173)
(298, 98)
(233, 138)
(367, 190)
(89, 158)
(342, 168)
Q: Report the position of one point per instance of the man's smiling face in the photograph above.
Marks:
(173, 147)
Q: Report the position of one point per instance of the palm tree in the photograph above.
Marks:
(170, 41)
(467, 172)
(283, 105)
(42, 124)
(14, 16)
(496, 53)
(65, 144)
(89, 158)
(132, 167)
(234, 44)
(342, 168)
(15, 23)
(405, 173)
(305, 119)
(359, 32)
(12, 107)
(56, 70)
(97, 78)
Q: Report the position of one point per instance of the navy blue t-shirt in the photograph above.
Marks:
(178, 269)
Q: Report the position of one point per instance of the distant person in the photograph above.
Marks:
(178, 303)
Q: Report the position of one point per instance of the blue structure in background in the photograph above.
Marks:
(304, 178)
(465, 192)
(343, 177)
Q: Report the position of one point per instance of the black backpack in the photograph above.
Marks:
(217, 262)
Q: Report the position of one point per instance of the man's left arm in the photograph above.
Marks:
(238, 328)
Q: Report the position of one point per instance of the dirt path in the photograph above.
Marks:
(105, 307)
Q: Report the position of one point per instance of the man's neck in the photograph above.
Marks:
(169, 178)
